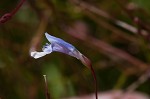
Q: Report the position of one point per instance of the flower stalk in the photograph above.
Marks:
(8, 16)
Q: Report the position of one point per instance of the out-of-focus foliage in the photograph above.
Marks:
(143, 4)
(120, 54)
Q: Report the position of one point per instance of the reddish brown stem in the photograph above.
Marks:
(18, 7)
(88, 63)
(95, 80)
(8, 16)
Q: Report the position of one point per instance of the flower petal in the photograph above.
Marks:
(36, 54)
(47, 48)
(60, 48)
(53, 39)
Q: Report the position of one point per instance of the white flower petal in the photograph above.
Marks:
(36, 54)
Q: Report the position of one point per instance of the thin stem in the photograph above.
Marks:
(18, 7)
(95, 80)
(46, 88)
(8, 16)
(88, 63)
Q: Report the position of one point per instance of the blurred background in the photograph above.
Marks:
(114, 34)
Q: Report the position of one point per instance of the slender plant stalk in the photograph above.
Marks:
(18, 7)
(87, 62)
(8, 16)
(46, 88)
(95, 81)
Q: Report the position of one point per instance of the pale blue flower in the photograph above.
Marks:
(59, 45)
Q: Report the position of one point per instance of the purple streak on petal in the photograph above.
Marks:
(63, 49)
(47, 48)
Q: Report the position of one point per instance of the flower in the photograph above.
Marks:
(59, 45)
